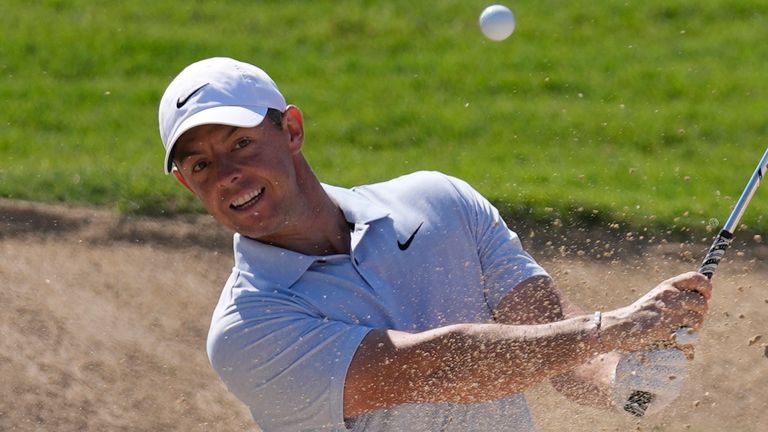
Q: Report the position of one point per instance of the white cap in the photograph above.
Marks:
(215, 91)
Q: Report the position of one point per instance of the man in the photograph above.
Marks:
(406, 305)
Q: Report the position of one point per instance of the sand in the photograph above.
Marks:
(104, 320)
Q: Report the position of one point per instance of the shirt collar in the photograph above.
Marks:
(272, 265)
(357, 208)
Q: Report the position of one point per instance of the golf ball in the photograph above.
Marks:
(497, 22)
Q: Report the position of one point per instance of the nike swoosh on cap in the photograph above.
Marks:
(407, 244)
(180, 103)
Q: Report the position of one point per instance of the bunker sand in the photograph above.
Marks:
(104, 320)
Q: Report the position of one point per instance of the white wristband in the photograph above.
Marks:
(598, 319)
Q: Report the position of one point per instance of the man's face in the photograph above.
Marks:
(245, 177)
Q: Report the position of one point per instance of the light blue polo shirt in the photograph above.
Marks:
(427, 251)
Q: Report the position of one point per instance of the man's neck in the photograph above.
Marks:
(330, 233)
(323, 229)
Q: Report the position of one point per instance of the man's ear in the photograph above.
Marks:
(181, 179)
(293, 122)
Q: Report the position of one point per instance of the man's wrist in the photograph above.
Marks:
(616, 331)
(597, 321)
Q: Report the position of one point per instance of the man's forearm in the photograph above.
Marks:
(465, 363)
(497, 360)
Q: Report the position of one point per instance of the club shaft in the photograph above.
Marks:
(746, 196)
(724, 239)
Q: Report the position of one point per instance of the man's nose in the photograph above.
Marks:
(229, 172)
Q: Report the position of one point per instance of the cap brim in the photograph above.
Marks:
(239, 116)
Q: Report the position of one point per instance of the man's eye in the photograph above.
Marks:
(242, 143)
(199, 166)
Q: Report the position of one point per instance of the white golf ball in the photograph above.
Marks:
(497, 22)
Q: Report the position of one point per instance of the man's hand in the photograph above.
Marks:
(609, 379)
(677, 302)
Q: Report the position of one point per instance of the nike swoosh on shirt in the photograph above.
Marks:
(407, 244)
(180, 103)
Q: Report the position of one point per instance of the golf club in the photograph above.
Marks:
(638, 401)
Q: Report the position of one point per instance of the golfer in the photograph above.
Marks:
(406, 305)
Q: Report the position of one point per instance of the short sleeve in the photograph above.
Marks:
(504, 262)
(285, 363)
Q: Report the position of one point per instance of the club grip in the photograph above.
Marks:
(716, 253)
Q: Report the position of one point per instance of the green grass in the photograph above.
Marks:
(648, 114)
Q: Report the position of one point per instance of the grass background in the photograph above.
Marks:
(641, 114)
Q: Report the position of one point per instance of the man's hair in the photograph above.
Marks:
(276, 117)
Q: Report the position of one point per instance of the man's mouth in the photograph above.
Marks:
(247, 200)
